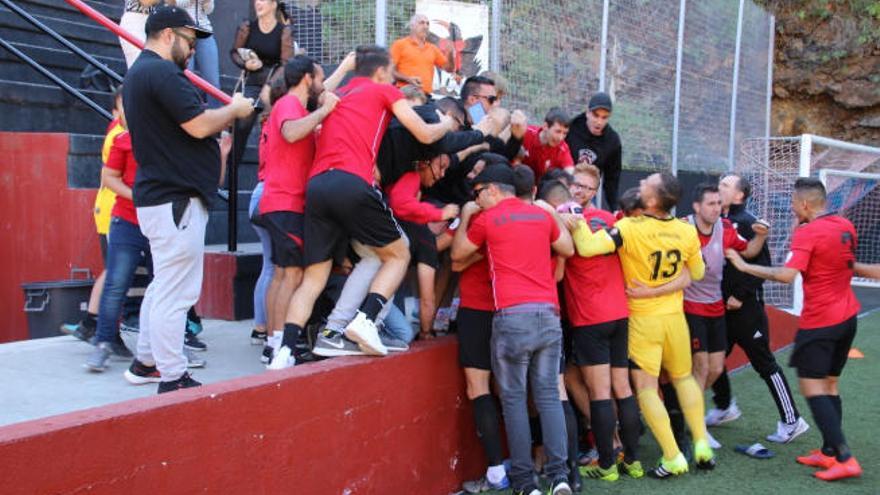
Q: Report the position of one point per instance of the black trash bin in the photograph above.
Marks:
(49, 304)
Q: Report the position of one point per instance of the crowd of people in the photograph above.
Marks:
(588, 309)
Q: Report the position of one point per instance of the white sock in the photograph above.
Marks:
(495, 474)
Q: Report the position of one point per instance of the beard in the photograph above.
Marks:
(179, 57)
(312, 103)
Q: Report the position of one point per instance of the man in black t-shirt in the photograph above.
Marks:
(178, 172)
(591, 140)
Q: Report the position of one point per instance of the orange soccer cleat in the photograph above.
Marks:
(816, 459)
(840, 470)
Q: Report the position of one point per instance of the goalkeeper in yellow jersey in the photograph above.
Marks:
(659, 255)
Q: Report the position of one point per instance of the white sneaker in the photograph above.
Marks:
(715, 444)
(364, 332)
(786, 433)
(717, 417)
(283, 359)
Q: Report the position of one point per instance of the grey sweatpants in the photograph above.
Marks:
(356, 288)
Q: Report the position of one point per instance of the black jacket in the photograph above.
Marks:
(603, 151)
(736, 283)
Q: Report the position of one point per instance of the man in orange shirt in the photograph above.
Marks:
(414, 57)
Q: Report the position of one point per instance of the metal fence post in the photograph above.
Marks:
(676, 114)
(735, 88)
(381, 22)
(770, 51)
(603, 56)
(495, 37)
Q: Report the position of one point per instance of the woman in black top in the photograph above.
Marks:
(268, 43)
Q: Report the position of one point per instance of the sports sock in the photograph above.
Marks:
(630, 427)
(781, 393)
(721, 390)
(291, 334)
(826, 418)
(572, 433)
(487, 421)
(658, 421)
(602, 413)
(372, 305)
(673, 408)
(90, 321)
(690, 397)
(838, 406)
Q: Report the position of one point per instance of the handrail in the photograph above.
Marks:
(122, 33)
(57, 80)
(57, 37)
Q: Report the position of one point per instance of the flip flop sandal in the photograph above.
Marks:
(755, 451)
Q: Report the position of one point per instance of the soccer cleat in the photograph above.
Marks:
(364, 332)
(559, 487)
(259, 338)
(786, 433)
(484, 485)
(666, 469)
(334, 344)
(703, 455)
(191, 342)
(840, 470)
(139, 373)
(192, 361)
(816, 459)
(596, 472)
(393, 344)
(634, 469)
(717, 417)
(79, 330)
(185, 381)
(283, 359)
(97, 360)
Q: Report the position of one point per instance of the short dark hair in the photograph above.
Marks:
(557, 174)
(452, 107)
(702, 190)
(630, 200)
(557, 115)
(742, 184)
(471, 83)
(812, 186)
(669, 191)
(553, 188)
(523, 180)
(296, 69)
(369, 59)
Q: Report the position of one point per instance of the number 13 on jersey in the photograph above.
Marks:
(665, 264)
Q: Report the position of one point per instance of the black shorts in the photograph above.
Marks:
(474, 336)
(339, 206)
(822, 352)
(102, 242)
(708, 333)
(603, 343)
(422, 244)
(286, 232)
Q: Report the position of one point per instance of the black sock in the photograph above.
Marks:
(291, 334)
(571, 431)
(676, 417)
(537, 434)
(781, 393)
(826, 418)
(721, 390)
(192, 316)
(630, 427)
(602, 417)
(488, 430)
(90, 321)
(372, 305)
(838, 406)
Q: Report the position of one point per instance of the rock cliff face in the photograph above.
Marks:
(827, 69)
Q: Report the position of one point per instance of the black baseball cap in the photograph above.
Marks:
(600, 100)
(166, 16)
(497, 173)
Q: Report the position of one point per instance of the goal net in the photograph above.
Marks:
(851, 173)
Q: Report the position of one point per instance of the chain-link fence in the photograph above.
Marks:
(711, 72)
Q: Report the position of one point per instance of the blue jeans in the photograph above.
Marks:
(265, 277)
(127, 248)
(207, 63)
(396, 324)
(526, 348)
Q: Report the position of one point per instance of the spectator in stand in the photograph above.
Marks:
(592, 140)
(133, 20)
(179, 169)
(415, 58)
(206, 60)
(262, 45)
(544, 147)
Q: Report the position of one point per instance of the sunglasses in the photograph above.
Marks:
(478, 190)
(190, 40)
(490, 99)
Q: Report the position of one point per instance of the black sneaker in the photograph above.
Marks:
(258, 338)
(191, 342)
(304, 356)
(80, 330)
(139, 374)
(332, 344)
(559, 487)
(185, 381)
(268, 354)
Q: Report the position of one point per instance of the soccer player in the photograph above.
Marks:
(823, 253)
(654, 248)
(747, 324)
(526, 335)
